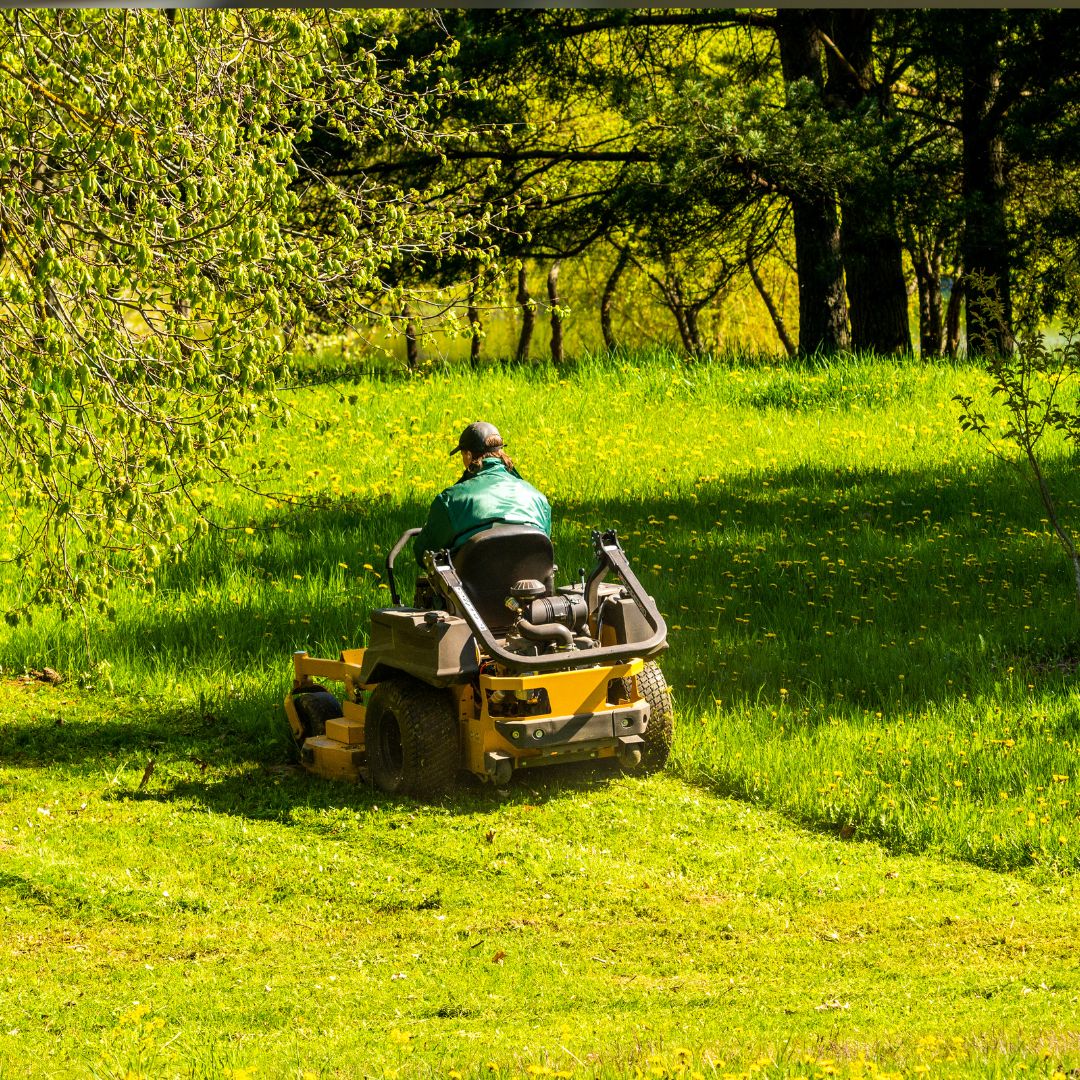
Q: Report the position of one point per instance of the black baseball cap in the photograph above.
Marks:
(478, 438)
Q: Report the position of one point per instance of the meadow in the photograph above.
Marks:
(860, 861)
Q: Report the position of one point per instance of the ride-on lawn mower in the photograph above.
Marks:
(492, 670)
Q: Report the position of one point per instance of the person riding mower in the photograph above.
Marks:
(490, 492)
(496, 670)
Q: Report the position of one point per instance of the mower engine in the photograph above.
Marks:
(546, 623)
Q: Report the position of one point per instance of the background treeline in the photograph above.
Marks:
(191, 199)
(819, 180)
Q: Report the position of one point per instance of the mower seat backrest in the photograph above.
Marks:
(490, 562)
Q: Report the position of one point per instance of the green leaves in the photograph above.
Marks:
(160, 231)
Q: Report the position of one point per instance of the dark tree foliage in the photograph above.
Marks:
(861, 134)
(997, 91)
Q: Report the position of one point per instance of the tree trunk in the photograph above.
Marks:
(985, 244)
(874, 270)
(822, 310)
(556, 314)
(774, 313)
(952, 315)
(679, 312)
(869, 240)
(670, 286)
(693, 331)
(412, 345)
(607, 300)
(677, 308)
(927, 264)
(476, 330)
(528, 317)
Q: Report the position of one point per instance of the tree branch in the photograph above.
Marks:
(551, 156)
(694, 20)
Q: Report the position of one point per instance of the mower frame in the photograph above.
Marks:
(511, 711)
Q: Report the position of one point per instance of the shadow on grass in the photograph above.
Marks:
(855, 828)
(293, 592)
(278, 792)
(201, 755)
(875, 587)
(50, 729)
(870, 588)
(304, 538)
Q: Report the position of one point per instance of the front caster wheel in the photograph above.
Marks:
(313, 708)
(656, 745)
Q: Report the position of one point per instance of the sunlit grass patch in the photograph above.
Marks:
(231, 915)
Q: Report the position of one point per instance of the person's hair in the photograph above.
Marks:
(495, 451)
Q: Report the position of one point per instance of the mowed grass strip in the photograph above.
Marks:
(235, 917)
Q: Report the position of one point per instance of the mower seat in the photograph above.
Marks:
(490, 562)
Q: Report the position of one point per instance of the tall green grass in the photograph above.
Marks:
(871, 626)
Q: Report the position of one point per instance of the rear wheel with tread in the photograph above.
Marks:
(411, 738)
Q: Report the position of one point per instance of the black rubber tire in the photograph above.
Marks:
(658, 735)
(411, 739)
(661, 729)
(314, 708)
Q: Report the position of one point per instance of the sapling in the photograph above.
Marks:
(1037, 384)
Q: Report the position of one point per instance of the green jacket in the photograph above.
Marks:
(493, 495)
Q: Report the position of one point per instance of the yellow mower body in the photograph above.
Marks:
(338, 754)
(474, 682)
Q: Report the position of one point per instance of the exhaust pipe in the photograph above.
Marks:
(545, 632)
